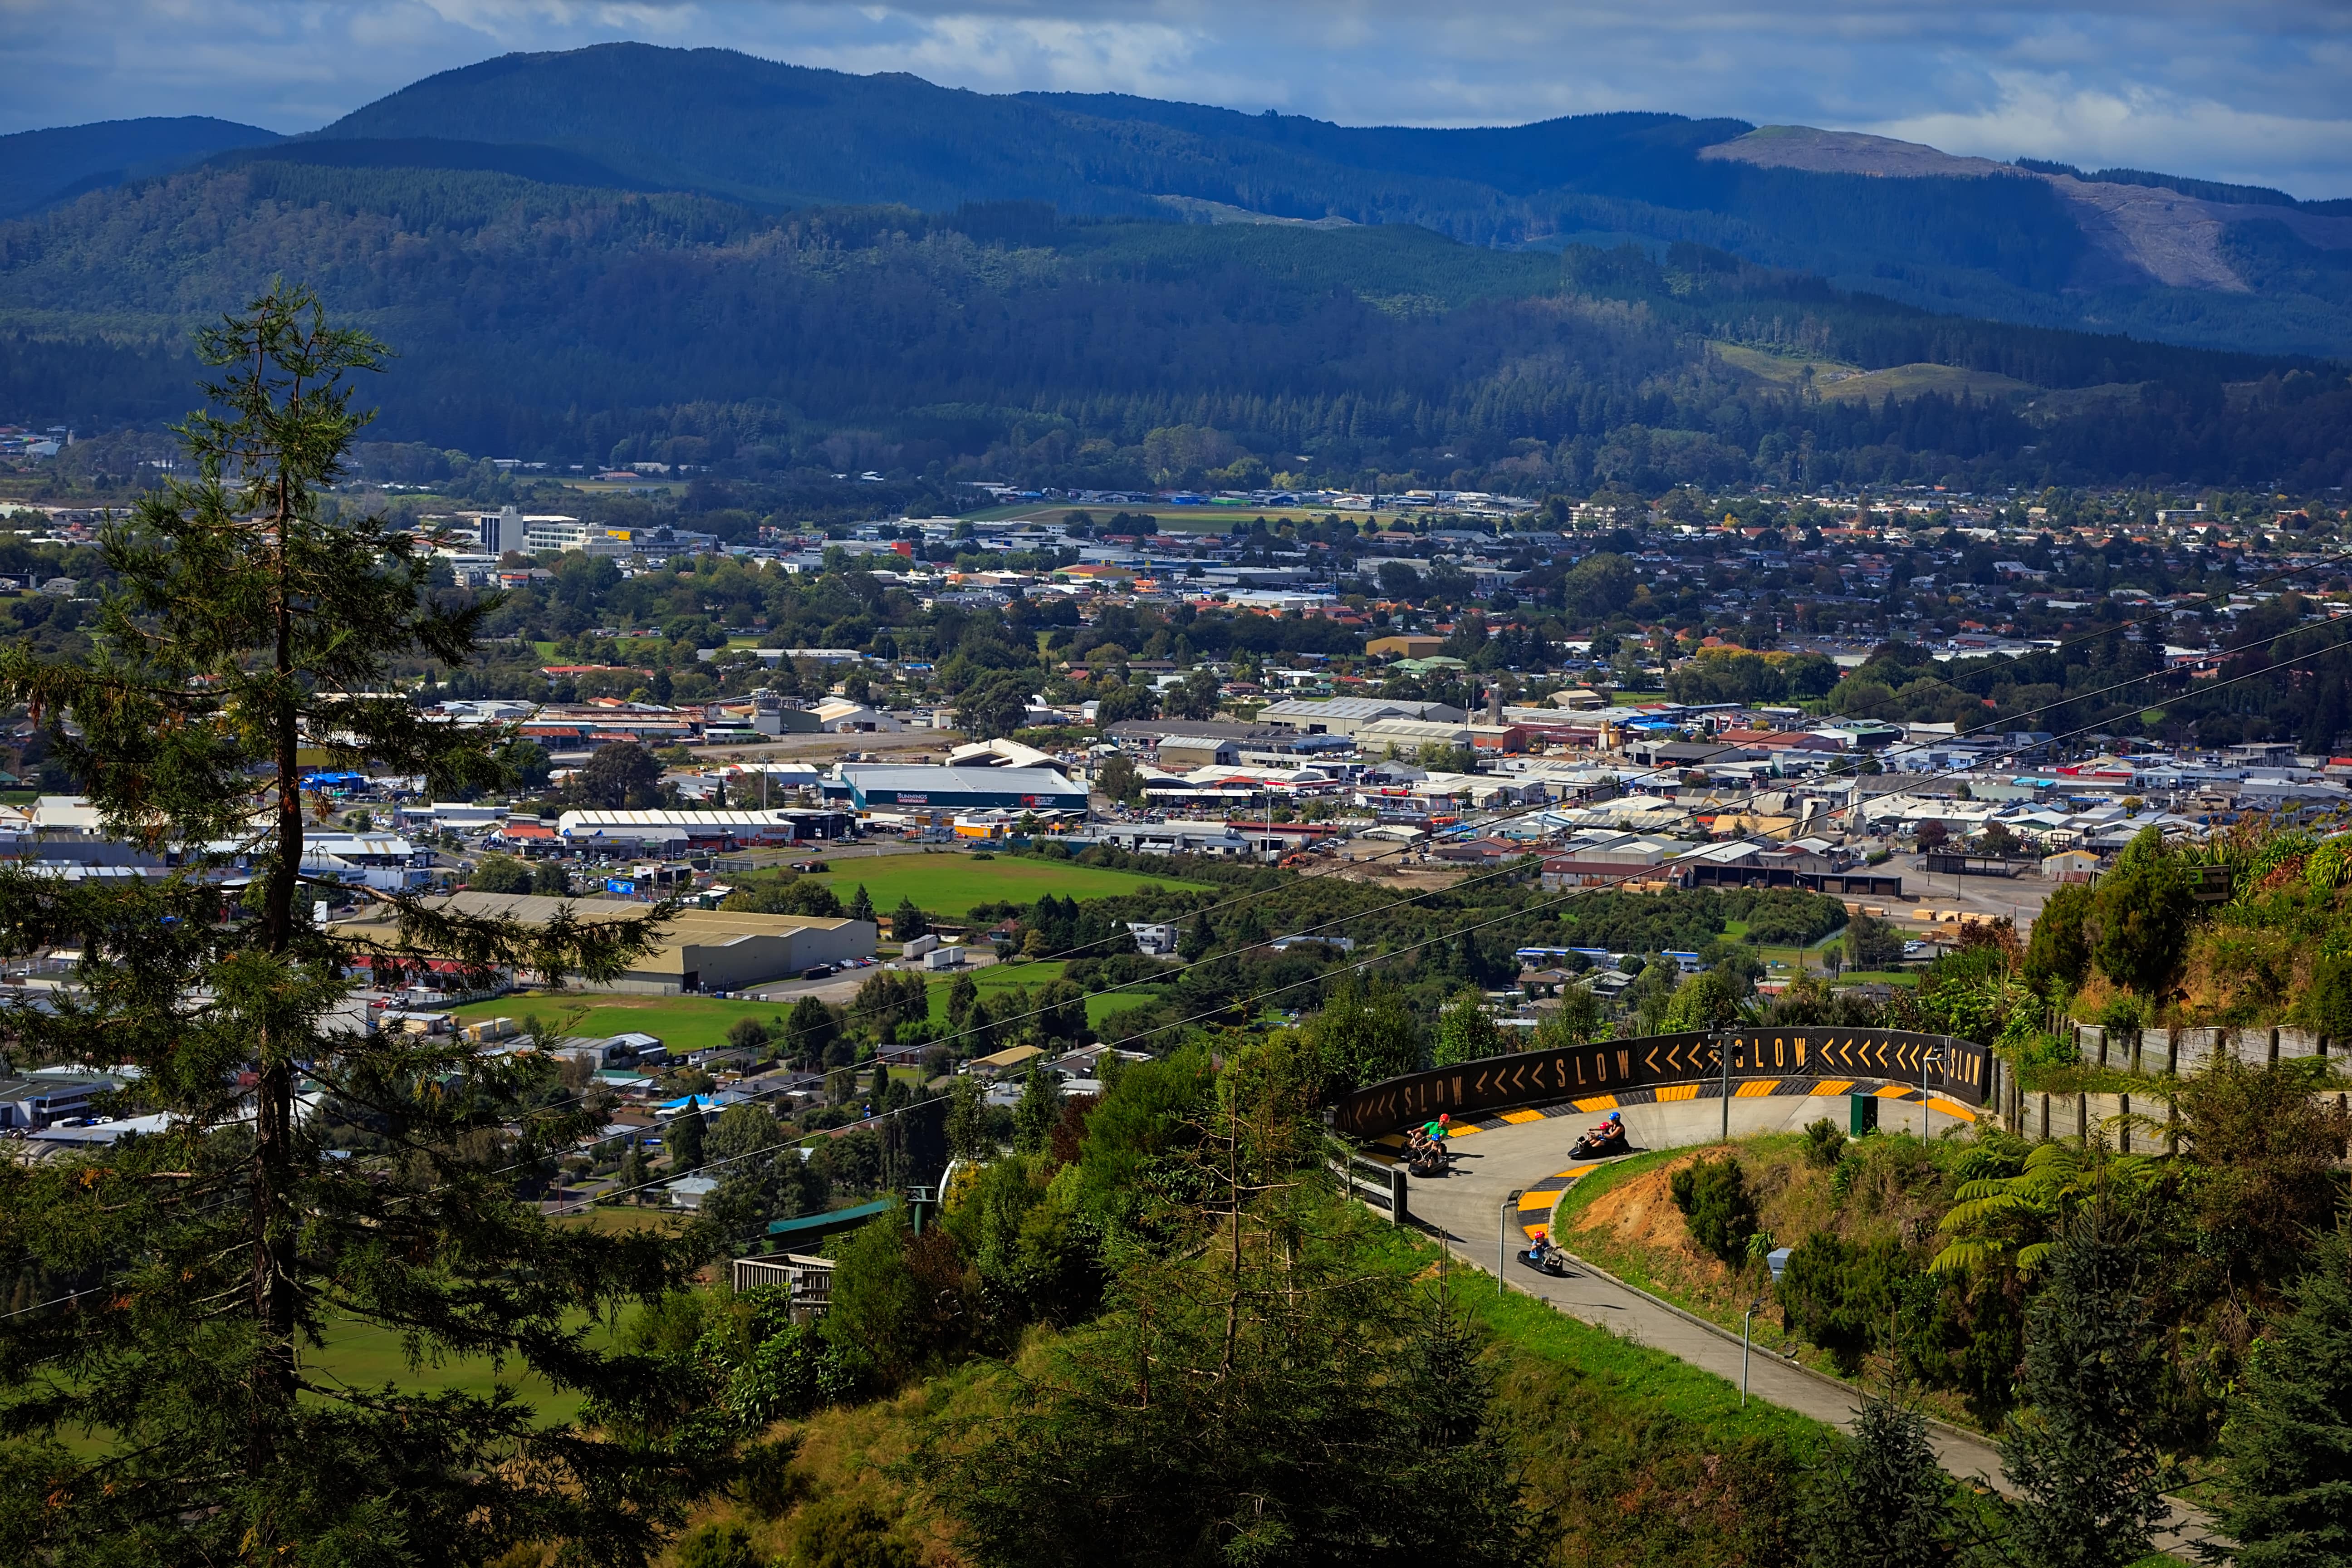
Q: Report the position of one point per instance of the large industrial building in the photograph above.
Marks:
(1351, 715)
(677, 832)
(893, 787)
(700, 949)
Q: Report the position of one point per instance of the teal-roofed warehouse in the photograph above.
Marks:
(885, 786)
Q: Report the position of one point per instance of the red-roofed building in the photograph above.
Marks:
(529, 838)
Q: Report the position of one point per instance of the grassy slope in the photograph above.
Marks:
(950, 885)
(1780, 369)
(1843, 381)
(998, 979)
(1903, 381)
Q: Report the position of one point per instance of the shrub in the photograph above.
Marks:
(769, 1483)
(1824, 1143)
(792, 895)
(847, 1532)
(2325, 1003)
(1713, 1197)
(789, 1375)
(2123, 1014)
(1840, 1296)
(499, 874)
(725, 1545)
(1702, 1002)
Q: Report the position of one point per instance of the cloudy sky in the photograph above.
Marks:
(2236, 90)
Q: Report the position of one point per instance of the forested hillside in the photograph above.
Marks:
(564, 320)
(41, 167)
(2003, 245)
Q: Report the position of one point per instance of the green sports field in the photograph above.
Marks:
(682, 1022)
(948, 884)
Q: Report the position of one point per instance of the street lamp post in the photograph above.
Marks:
(1746, 1320)
(1934, 1057)
(1503, 1235)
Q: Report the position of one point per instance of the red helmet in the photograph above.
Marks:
(1443, 1119)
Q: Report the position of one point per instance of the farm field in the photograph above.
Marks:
(951, 884)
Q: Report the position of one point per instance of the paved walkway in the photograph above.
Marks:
(1469, 1207)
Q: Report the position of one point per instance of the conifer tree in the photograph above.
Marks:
(961, 997)
(1253, 1395)
(2286, 1451)
(811, 1031)
(633, 1174)
(683, 1140)
(293, 1180)
(2088, 1474)
(1198, 941)
(861, 907)
(1882, 1497)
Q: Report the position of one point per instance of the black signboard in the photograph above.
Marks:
(1953, 1068)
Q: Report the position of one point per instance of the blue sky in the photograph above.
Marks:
(2243, 90)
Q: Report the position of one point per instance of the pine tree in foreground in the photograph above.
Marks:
(1884, 1498)
(2286, 1451)
(169, 1394)
(2088, 1476)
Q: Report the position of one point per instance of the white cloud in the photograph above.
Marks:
(2137, 125)
(1023, 54)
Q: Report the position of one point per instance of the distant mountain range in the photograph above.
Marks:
(2114, 251)
(642, 239)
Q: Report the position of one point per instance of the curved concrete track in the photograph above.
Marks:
(1468, 1208)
